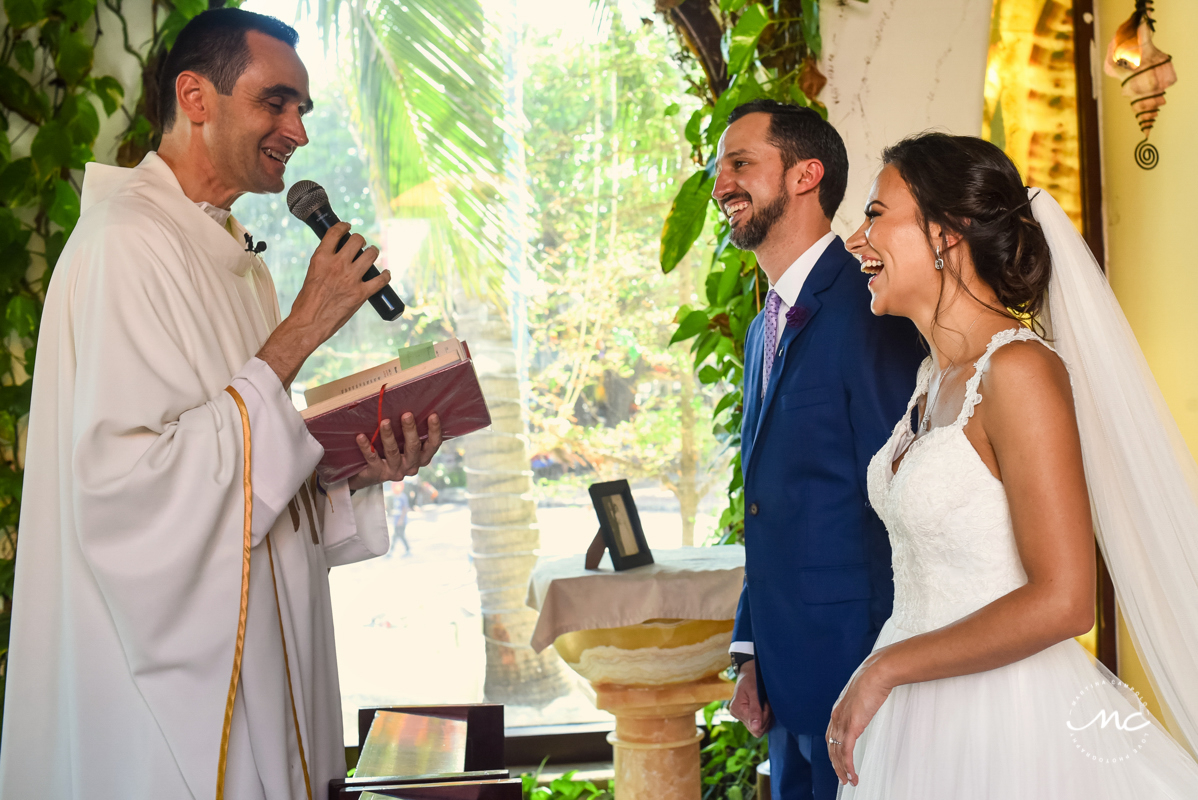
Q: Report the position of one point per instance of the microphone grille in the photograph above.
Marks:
(305, 197)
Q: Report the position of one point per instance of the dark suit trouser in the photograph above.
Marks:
(799, 767)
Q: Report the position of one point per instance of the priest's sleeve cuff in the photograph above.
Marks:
(283, 453)
(355, 528)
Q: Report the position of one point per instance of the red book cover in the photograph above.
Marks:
(452, 393)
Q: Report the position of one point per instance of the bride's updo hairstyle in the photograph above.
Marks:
(969, 187)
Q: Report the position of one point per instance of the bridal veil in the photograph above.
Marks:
(1142, 479)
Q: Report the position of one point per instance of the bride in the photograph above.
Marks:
(1034, 426)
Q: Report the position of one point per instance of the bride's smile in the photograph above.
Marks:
(894, 249)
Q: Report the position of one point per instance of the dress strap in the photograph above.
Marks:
(922, 380)
(1003, 337)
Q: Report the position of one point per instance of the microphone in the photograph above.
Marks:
(309, 202)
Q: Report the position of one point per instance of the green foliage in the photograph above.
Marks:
(770, 51)
(603, 158)
(742, 41)
(685, 221)
(728, 766)
(47, 100)
(427, 94)
(729, 761)
(563, 788)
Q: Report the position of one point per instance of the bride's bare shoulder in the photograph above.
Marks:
(1025, 376)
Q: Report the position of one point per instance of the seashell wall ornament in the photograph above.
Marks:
(1145, 73)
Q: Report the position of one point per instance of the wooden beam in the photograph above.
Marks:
(1085, 50)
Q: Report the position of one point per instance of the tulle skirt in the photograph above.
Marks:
(1055, 726)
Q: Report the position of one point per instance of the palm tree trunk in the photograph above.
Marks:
(688, 468)
(503, 521)
(688, 459)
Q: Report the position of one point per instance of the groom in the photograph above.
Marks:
(825, 382)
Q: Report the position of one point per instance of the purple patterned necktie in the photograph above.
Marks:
(772, 303)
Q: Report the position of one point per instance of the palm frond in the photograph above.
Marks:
(428, 94)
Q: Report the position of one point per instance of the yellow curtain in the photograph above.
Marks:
(1031, 107)
(1031, 96)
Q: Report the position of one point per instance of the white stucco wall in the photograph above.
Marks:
(897, 67)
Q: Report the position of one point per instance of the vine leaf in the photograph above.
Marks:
(729, 280)
(692, 324)
(692, 126)
(184, 11)
(709, 375)
(64, 211)
(685, 221)
(51, 148)
(74, 59)
(742, 45)
(77, 11)
(727, 401)
(22, 314)
(24, 13)
(15, 181)
(810, 25)
(54, 246)
(110, 92)
(18, 95)
(80, 117)
(8, 569)
(745, 88)
(23, 52)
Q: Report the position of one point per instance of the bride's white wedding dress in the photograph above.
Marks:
(1040, 728)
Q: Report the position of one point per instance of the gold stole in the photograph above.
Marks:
(247, 487)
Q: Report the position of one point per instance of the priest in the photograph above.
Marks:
(172, 632)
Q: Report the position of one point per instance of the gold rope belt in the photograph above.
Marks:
(248, 489)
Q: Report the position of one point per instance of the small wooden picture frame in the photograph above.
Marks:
(619, 527)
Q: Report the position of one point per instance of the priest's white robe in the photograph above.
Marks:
(129, 563)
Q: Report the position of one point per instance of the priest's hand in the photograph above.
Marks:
(394, 465)
(333, 290)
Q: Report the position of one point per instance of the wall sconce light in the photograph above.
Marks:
(1144, 71)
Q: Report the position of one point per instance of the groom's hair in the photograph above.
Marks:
(213, 45)
(800, 133)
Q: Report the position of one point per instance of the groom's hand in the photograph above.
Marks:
(746, 702)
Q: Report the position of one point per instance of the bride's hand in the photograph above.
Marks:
(860, 700)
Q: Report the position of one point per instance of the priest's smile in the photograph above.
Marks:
(281, 156)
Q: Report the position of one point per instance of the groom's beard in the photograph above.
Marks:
(750, 234)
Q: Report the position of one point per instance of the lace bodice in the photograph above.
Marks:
(947, 515)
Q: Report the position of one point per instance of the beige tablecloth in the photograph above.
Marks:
(687, 583)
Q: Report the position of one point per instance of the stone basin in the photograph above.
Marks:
(656, 652)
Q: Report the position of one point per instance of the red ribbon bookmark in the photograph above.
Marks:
(379, 427)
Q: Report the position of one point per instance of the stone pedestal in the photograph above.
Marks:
(652, 676)
(656, 744)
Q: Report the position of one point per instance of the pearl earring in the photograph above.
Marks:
(939, 260)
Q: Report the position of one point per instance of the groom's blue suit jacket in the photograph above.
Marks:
(818, 582)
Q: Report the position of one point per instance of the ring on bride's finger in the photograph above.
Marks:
(833, 741)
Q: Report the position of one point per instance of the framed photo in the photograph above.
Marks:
(620, 525)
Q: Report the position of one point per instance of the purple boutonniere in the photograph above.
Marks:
(796, 316)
